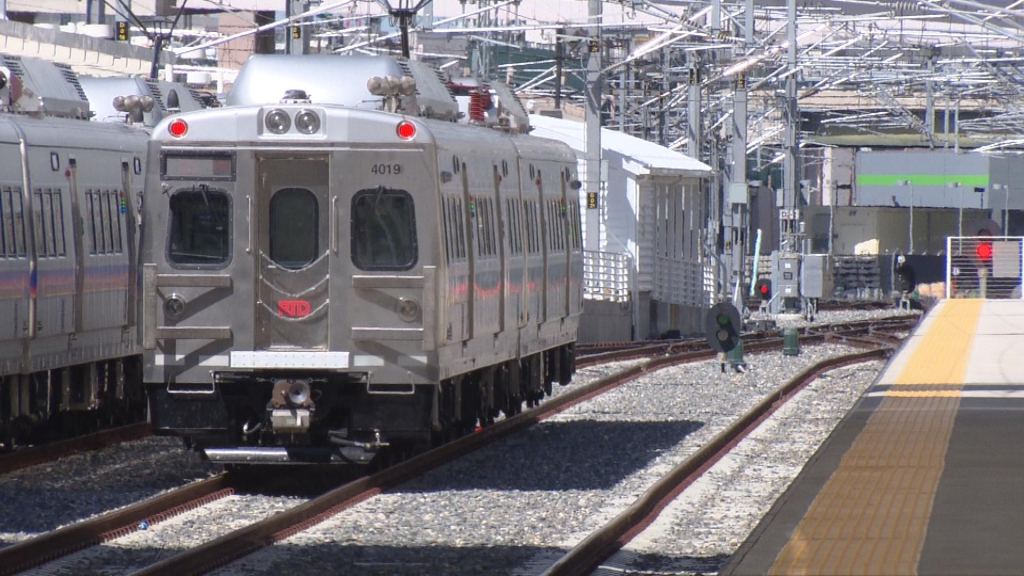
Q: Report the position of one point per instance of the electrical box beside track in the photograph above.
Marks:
(815, 276)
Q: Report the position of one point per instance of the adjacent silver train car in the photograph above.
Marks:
(324, 278)
(69, 344)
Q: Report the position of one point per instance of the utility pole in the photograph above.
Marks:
(736, 197)
(559, 57)
(789, 220)
(592, 151)
(298, 35)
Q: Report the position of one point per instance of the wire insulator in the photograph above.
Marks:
(476, 105)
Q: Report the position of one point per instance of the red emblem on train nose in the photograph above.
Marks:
(293, 308)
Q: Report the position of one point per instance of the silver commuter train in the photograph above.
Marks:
(323, 279)
(69, 344)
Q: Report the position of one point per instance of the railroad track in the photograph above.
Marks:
(589, 554)
(242, 542)
(35, 455)
(617, 352)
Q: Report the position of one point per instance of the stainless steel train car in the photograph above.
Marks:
(325, 280)
(69, 188)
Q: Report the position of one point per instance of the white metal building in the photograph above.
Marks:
(653, 210)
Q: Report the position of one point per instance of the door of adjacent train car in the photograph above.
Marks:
(293, 237)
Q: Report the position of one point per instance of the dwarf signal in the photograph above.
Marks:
(763, 287)
(723, 327)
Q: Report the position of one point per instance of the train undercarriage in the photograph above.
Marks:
(297, 416)
(61, 403)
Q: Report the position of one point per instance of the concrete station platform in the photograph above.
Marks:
(925, 475)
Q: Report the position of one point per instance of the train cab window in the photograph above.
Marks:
(383, 230)
(294, 230)
(200, 228)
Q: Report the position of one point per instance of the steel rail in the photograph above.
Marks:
(33, 455)
(63, 541)
(588, 555)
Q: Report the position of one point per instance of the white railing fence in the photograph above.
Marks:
(607, 276)
(984, 266)
(681, 282)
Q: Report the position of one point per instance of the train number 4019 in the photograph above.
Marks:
(394, 169)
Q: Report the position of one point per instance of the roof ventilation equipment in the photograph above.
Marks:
(35, 86)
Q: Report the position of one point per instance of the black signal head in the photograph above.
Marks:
(722, 327)
(763, 288)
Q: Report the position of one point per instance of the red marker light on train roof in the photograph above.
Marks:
(405, 130)
(177, 128)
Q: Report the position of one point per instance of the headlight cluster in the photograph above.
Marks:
(277, 121)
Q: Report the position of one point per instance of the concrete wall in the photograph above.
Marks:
(871, 230)
(665, 318)
(604, 321)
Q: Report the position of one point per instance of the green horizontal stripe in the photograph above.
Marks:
(922, 179)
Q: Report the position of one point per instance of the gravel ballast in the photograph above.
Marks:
(516, 506)
(48, 496)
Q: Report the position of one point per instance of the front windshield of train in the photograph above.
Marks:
(383, 230)
(200, 227)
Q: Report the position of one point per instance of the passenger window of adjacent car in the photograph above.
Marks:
(294, 228)
(11, 244)
(200, 224)
(383, 230)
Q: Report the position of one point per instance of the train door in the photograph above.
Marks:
(293, 241)
(54, 274)
(128, 214)
(77, 244)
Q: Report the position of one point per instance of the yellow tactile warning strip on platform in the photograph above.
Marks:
(872, 514)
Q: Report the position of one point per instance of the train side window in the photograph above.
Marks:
(15, 205)
(294, 233)
(108, 224)
(6, 224)
(527, 211)
(383, 230)
(99, 239)
(57, 218)
(574, 223)
(488, 226)
(446, 231)
(116, 244)
(38, 211)
(460, 229)
(476, 213)
(200, 227)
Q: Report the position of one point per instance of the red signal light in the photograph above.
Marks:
(177, 128)
(405, 130)
(764, 288)
(984, 250)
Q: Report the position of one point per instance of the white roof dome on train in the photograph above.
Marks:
(647, 157)
(341, 80)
